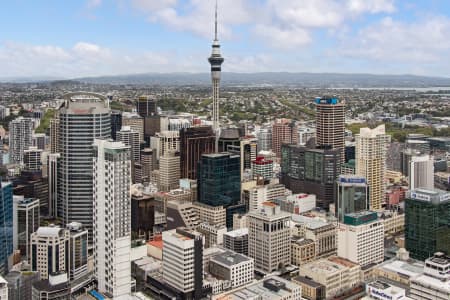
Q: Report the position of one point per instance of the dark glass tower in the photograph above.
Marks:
(146, 106)
(427, 223)
(116, 123)
(6, 225)
(219, 182)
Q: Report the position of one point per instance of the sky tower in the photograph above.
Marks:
(216, 61)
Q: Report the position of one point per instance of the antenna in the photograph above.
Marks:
(215, 25)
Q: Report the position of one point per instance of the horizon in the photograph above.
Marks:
(98, 38)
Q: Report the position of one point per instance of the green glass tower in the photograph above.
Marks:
(427, 223)
(219, 182)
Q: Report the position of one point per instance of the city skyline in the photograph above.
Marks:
(98, 37)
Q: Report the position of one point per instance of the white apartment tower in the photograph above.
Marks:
(112, 213)
(421, 173)
(269, 238)
(32, 158)
(131, 138)
(20, 138)
(370, 154)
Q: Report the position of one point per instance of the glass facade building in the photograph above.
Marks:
(219, 182)
(427, 223)
(6, 224)
(352, 195)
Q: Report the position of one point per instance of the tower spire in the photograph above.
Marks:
(215, 25)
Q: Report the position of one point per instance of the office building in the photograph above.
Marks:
(371, 148)
(236, 241)
(147, 163)
(49, 250)
(284, 131)
(229, 137)
(39, 140)
(421, 172)
(297, 204)
(32, 159)
(352, 195)
(82, 118)
(56, 287)
(302, 251)
(54, 163)
(130, 138)
(257, 195)
(361, 238)
(169, 171)
(116, 123)
(194, 142)
(135, 122)
(434, 283)
(214, 215)
(143, 213)
(330, 124)
(54, 136)
(6, 225)
(147, 106)
(381, 290)
(264, 136)
(213, 234)
(26, 222)
(181, 214)
(427, 223)
(269, 238)
(269, 288)
(183, 245)
(112, 223)
(78, 251)
(219, 183)
(20, 138)
(233, 267)
(20, 284)
(311, 171)
(311, 290)
(247, 150)
(262, 167)
(165, 141)
(335, 273)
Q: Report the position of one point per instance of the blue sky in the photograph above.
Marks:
(75, 38)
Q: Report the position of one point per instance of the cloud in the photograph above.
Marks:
(371, 6)
(424, 41)
(91, 4)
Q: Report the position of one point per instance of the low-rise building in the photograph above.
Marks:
(335, 273)
(382, 290)
(215, 215)
(236, 240)
(311, 290)
(302, 251)
(213, 234)
(232, 266)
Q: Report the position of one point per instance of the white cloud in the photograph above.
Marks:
(91, 4)
(423, 41)
(371, 6)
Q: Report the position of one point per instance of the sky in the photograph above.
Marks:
(78, 38)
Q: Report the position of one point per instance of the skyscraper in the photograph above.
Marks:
(330, 123)
(6, 224)
(146, 106)
(130, 137)
(352, 195)
(284, 131)
(265, 139)
(421, 172)
(219, 183)
(169, 171)
(194, 142)
(20, 138)
(371, 148)
(54, 164)
(112, 223)
(116, 123)
(216, 60)
(427, 223)
(83, 117)
(32, 159)
(26, 211)
(54, 136)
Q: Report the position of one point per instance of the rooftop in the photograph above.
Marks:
(238, 232)
(230, 258)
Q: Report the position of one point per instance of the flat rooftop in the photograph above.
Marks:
(237, 232)
(230, 258)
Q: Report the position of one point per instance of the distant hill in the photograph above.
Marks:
(311, 80)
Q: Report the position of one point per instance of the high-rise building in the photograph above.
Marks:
(32, 159)
(82, 118)
(247, 149)
(233, 267)
(421, 172)
(143, 213)
(147, 162)
(284, 131)
(194, 142)
(130, 137)
(135, 121)
(330, 123)
(264, 136)
(352, 195)
(147, 106)
(216, 60)
(116, 123)
(26, 221)
(54, 163)
(6, 225)
(49, 250)
(20, 138)
(262, 167)
(255, 196)
(269, 238)
(361, 238)
(169, 171)
(236, 240)
(112, 217)
(427, 223)
(39, 140)
(54, 136)
(311, 171)
(371, 148)
(186, 247)
(165, 141)
(78, 251)
(219, 183)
